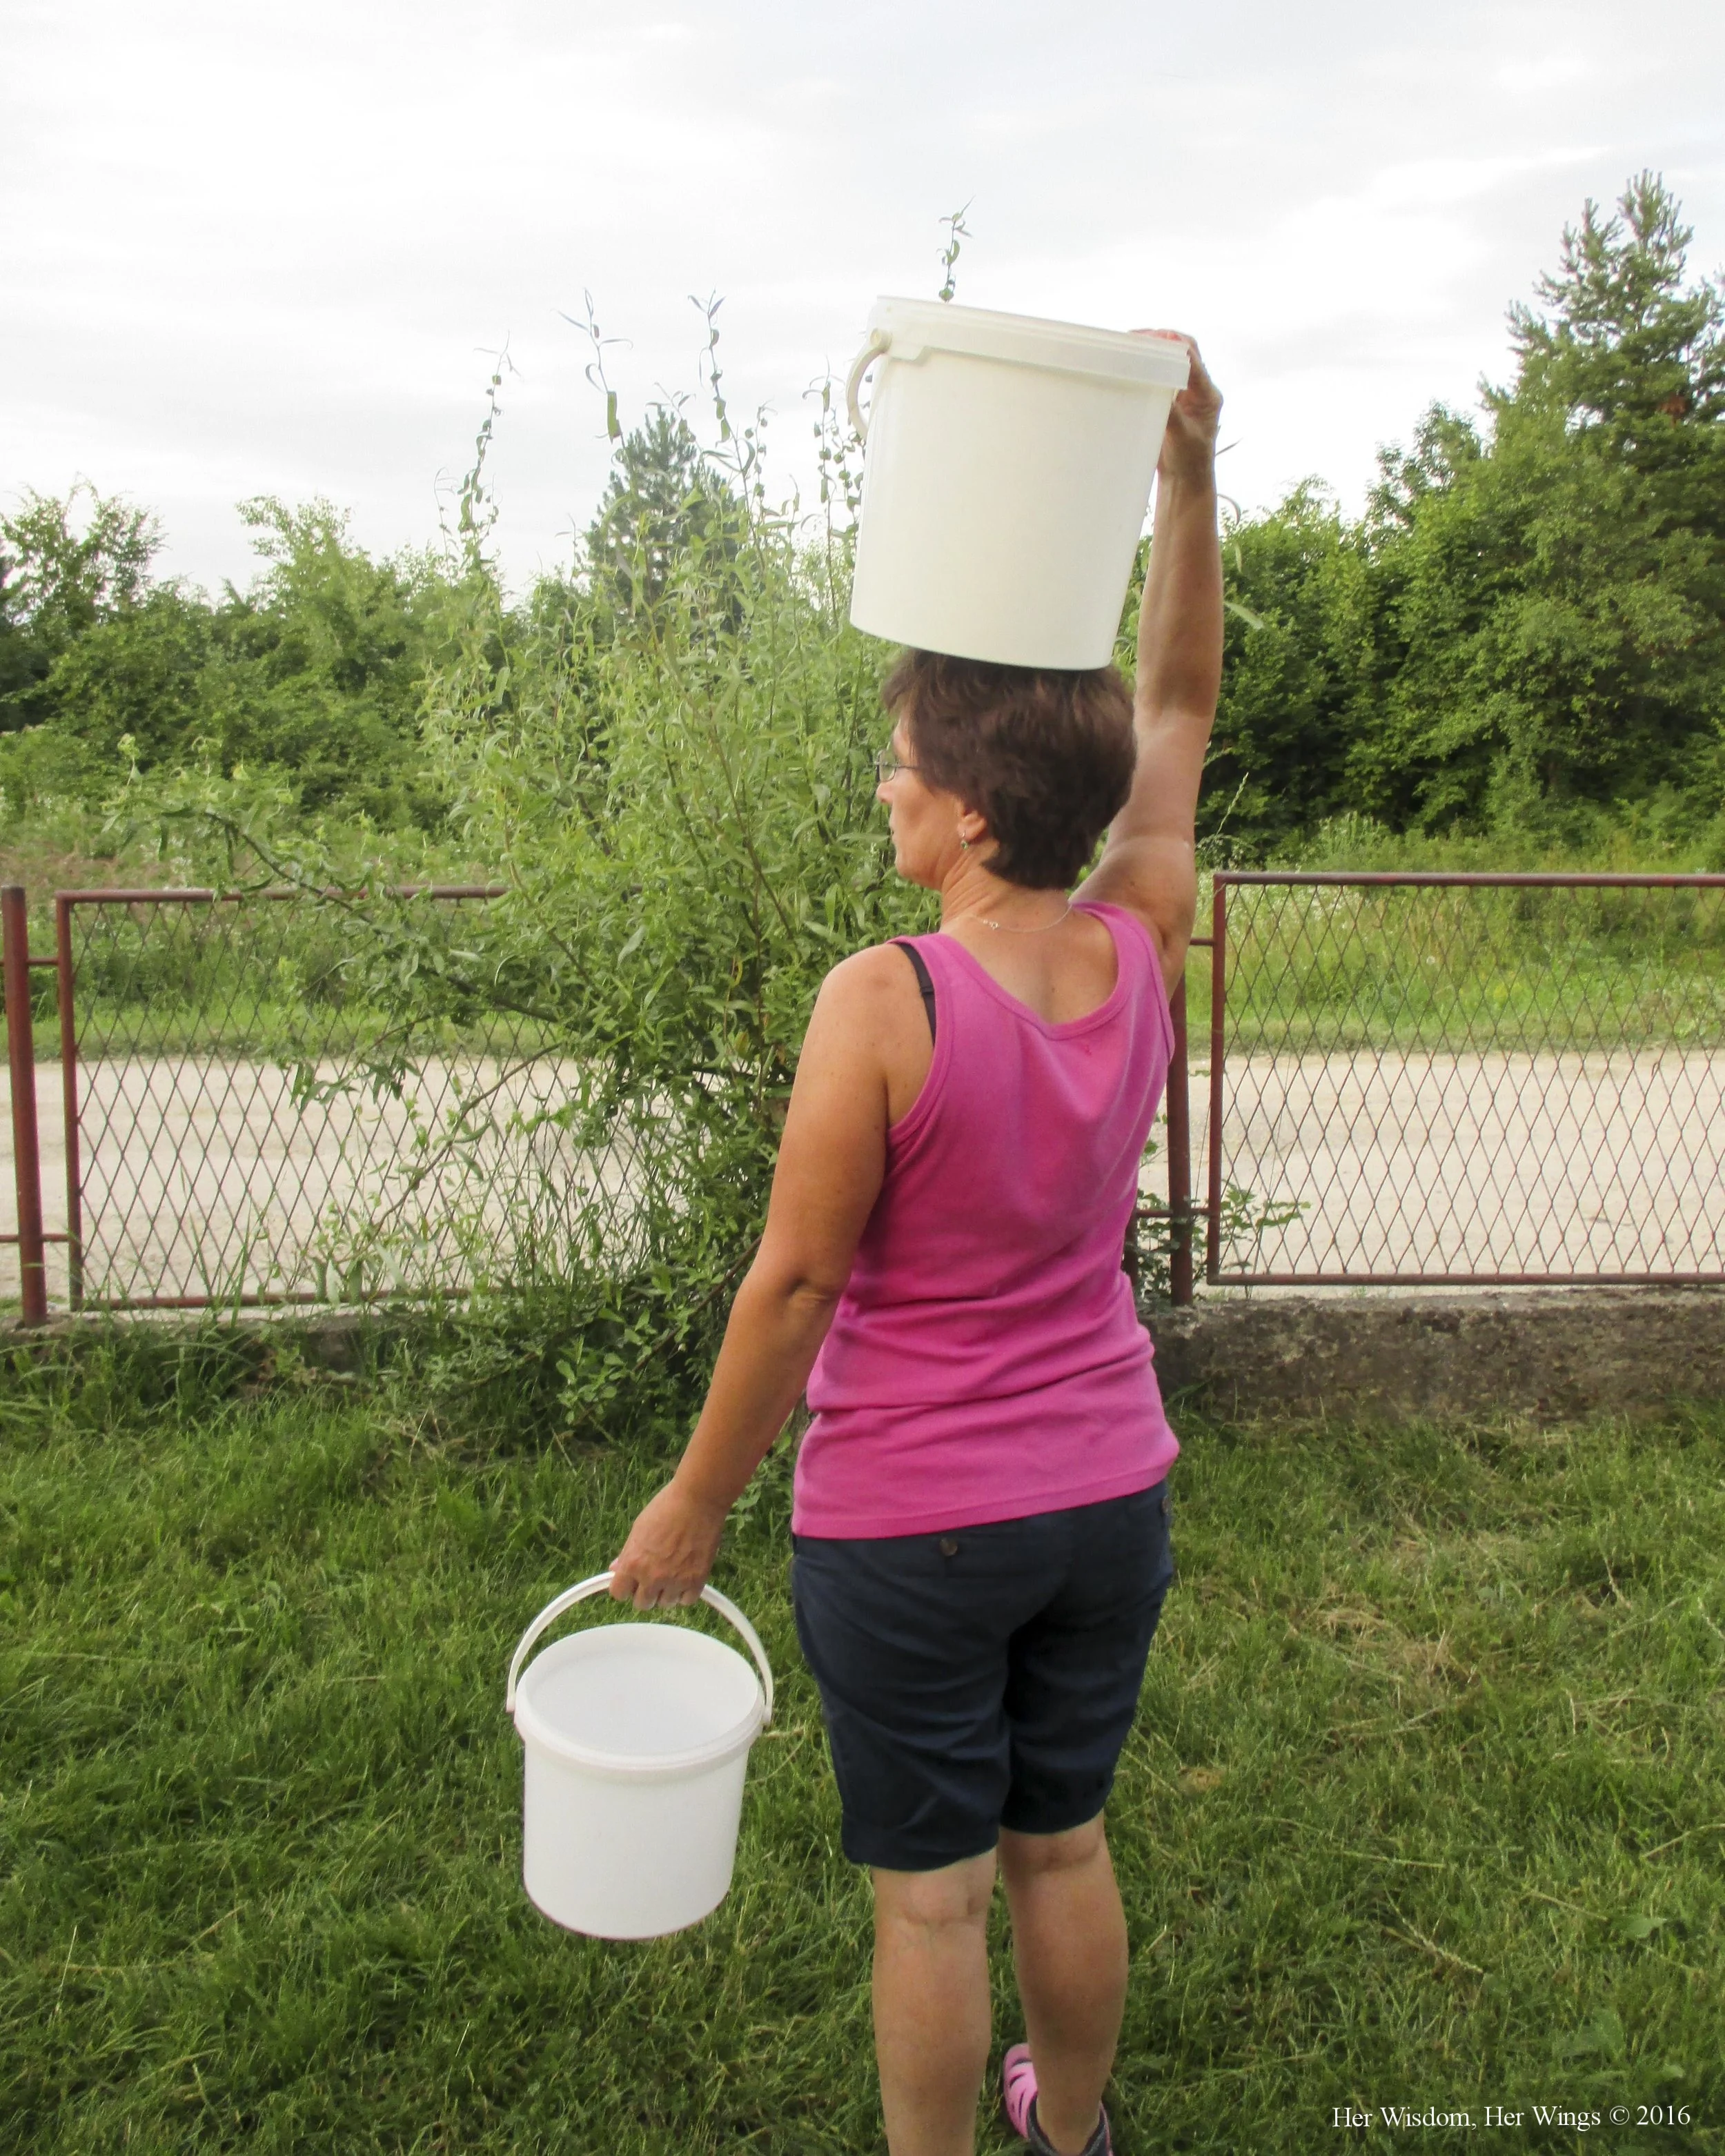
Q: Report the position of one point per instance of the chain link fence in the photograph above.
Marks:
(1464, 1080)
(245, 1119)
(1394, 1079)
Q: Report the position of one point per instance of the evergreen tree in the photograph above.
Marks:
(664, 507)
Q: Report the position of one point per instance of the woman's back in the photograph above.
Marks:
(1061, 973)
(986, 1361)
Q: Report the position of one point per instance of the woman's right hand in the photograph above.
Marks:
(670, 1551)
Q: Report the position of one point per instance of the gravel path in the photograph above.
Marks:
(1472, 1163)
(200, 1174)
(196, 1171)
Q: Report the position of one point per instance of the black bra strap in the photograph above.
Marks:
(925, 979)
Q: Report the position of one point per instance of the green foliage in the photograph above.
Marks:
(1526, 631)
(1294, 641)
(321, 666)
(132, 689)
(663, 753)
(1523, 634)
(663, 505)
(667, 760)
(670, 763)
(1425, 1794)
(958, 231)
(315, 673)
(58, 583)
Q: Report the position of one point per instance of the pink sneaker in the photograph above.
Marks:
(1017, 2092)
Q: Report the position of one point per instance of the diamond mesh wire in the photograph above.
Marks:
(1472, 1081)
(1477, 1081)
(253, 1126)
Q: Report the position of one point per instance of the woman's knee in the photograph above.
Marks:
(1024, 1856)
(957, 1894)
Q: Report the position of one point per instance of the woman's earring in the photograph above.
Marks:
(963, 844)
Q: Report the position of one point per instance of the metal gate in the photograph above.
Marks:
(1464, 1080)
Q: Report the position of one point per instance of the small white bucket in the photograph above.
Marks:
(637, 1741)
(1009, 467)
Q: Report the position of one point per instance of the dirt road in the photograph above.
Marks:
(1433, 1163)
(198, 1175)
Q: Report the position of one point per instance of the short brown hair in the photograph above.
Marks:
(1046, 758)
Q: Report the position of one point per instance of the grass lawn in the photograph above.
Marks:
(1425, 1806)
(1319, 969)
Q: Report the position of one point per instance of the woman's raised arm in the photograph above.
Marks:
(1149, 864)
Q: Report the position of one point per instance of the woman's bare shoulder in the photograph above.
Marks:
(870, 1017)
(880, 977)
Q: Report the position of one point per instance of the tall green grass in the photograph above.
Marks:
(1424, 1805)
(1324, 969)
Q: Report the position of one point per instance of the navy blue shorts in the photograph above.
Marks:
(983, 1678)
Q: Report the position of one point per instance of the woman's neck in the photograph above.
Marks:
(971, 896)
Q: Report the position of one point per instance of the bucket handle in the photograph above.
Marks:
(596, 1585)
(879, 343)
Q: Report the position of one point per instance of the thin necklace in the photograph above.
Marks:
(1041, 930)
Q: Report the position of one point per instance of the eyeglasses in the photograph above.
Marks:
(888, 764)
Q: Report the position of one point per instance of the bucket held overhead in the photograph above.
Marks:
(637, 1740)
(1008, 468)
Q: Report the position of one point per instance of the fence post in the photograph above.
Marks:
(66, 976)
(1179, 1156)
(26, 1149)
(1219, 1035)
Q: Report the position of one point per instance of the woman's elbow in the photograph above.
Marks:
(809, 1283)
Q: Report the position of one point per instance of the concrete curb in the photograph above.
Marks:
(330, 1340)
(1553, 1355)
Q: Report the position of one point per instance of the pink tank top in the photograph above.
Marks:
(986, 1360)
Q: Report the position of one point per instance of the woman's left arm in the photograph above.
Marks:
(831, 1160)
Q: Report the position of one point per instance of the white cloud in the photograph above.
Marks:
(270, 247)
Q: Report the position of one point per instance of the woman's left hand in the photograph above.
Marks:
(670, 1551)
(1188, 447)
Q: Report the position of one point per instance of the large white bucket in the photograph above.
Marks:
(1008, 467)
(637, 1741)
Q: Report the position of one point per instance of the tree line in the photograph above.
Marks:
(1520, 634)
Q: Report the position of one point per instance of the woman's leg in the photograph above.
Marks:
(931, 2016)
(1068, 1949)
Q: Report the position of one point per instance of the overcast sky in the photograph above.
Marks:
(254, 247)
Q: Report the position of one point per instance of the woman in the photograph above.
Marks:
(980, 1519)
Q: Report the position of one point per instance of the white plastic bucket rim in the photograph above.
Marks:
(633, 1767)
(906, 329)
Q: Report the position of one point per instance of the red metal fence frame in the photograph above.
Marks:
(26, 1144)
(1235, 878)
(1181, 1212)
(64, 903)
